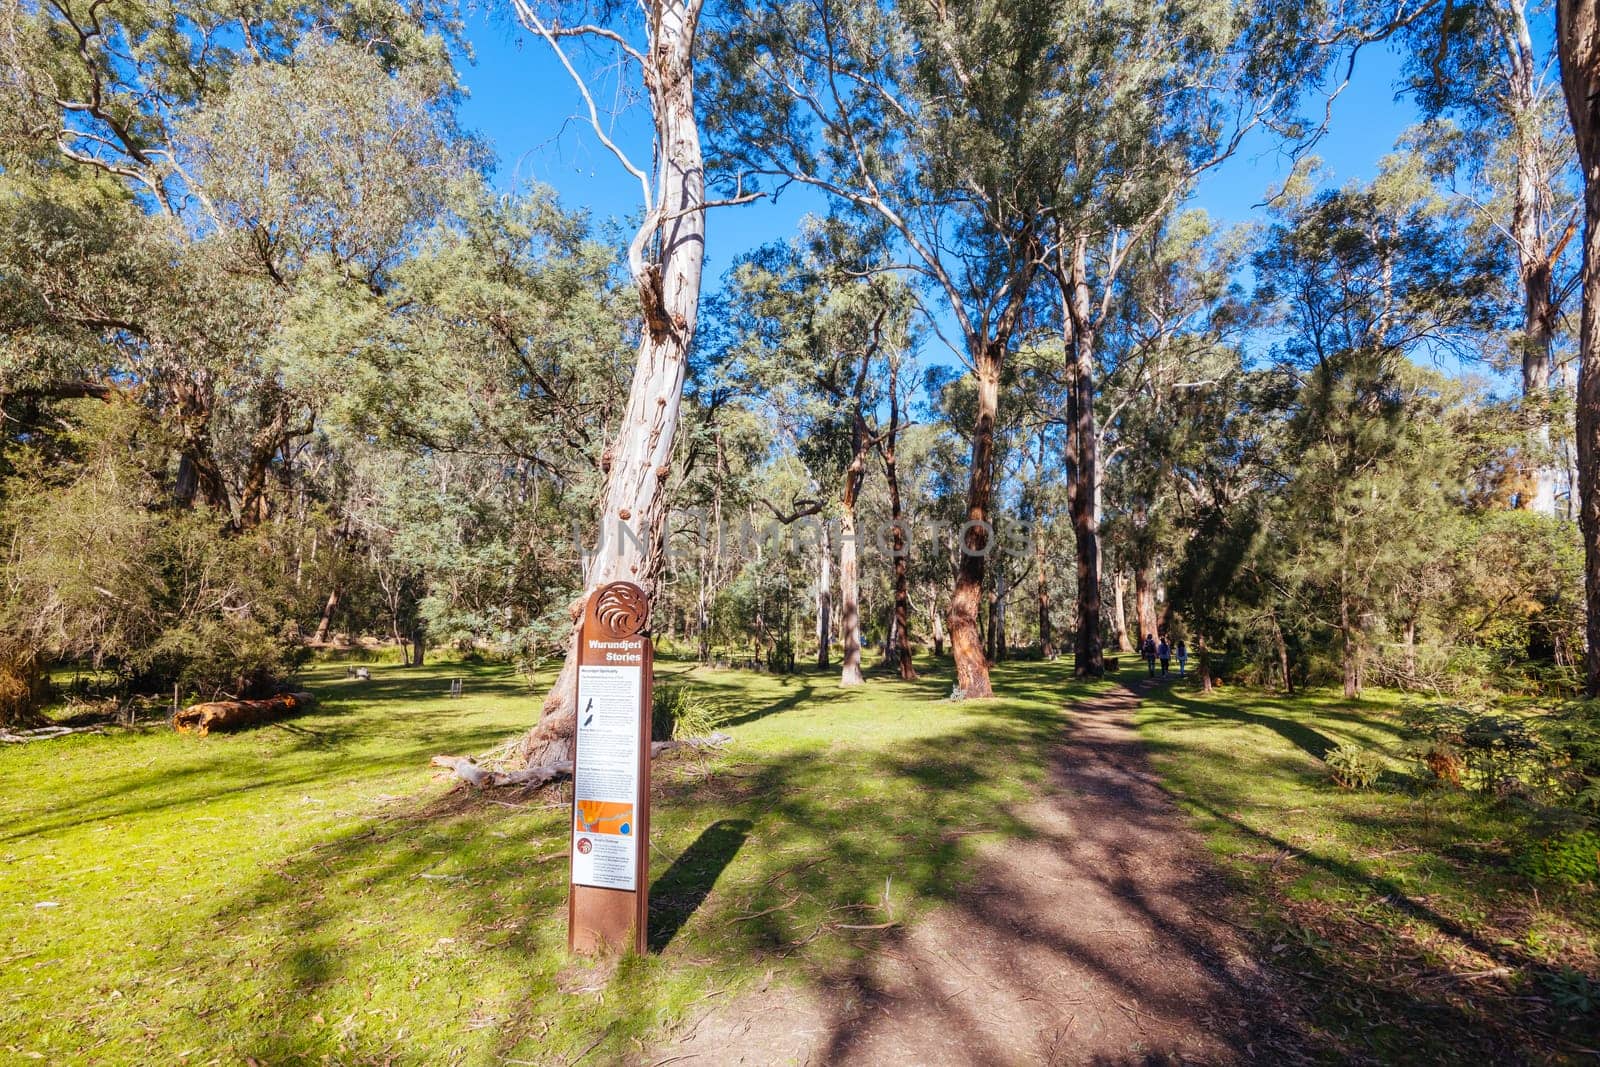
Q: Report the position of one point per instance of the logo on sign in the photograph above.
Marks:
(585, 845)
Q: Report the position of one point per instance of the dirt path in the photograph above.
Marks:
(1101, 940)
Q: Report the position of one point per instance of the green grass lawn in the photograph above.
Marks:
(306, 891)
(1395, 907)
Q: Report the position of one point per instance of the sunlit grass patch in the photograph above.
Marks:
(307, 890)
(1396, 905)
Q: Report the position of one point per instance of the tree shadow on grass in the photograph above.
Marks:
(684, 886)
(451, 917)
(1311, 741)
(368, 732)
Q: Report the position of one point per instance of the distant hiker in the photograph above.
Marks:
(1149, 650)
(1164, 651)
(1183, 658)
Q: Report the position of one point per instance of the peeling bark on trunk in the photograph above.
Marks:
(1535, 261)
(1578, 45)
(639, 459)
(966, 644)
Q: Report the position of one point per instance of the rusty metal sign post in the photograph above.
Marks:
(608, 899)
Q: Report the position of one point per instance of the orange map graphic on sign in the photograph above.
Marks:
(603, 817)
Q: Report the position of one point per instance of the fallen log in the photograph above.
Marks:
(468, 770)
(233, 714)
(43, 733)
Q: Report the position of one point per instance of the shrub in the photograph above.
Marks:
(678, 712)
(1574, 735)
(1354, 767)
(1570, 858)
(1502, 754)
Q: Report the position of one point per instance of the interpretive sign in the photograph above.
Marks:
(608, 901)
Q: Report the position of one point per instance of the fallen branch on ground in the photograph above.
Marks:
(43, 733)
(485, 776)
(232, 714)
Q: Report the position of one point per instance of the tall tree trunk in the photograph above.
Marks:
(988, 625)
(1087, 657)
(1144, 598)
(638, 461)
(966, 645)
(1578, 45)
(1119, 611)
(824, 594)
(849, 596)
(899, 546)
(937, 625)
(1349, 651)
(326, 621)
(1283, 654)
(1047, 645)
(1534, 259)
(849, 545)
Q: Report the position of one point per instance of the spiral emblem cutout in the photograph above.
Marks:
(620, 609)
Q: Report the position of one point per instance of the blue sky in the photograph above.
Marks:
(525, 104)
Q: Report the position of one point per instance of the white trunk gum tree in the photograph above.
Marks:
(665, 259)
(1578, 44)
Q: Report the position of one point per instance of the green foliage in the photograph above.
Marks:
(680, 711)
(1573, 991)
(97, 572)
(1567, 858)
(1573, 733)
(1354, 766)
(1501, 753)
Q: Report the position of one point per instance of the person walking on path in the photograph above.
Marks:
(1164, 652)
(1183, 659)
(1149, 650)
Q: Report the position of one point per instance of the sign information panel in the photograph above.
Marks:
(608, 895)
(605, 780)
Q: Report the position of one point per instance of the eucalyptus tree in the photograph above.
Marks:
(1167, 344)
(939, 122)
(654, 47)
(821, 329)
(1485, 65)
(1578, 47)
(165, 210)
(1162, 94)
